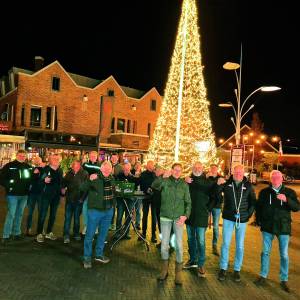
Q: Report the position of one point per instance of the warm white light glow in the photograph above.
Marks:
(184, 116)
(270, 88)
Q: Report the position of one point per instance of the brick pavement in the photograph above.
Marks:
(52, 270)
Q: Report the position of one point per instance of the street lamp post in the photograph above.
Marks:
(240, 110)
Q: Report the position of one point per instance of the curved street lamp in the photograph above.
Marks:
(239, 110)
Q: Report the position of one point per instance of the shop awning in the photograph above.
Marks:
(62, 146)
(6, 138)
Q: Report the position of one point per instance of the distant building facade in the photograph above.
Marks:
(56, 109)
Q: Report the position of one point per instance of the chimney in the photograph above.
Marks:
(38, 63)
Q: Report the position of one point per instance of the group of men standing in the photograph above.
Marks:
(174, 201)
(191, 200)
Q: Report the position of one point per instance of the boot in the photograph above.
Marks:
(164, 271)
(178, 273)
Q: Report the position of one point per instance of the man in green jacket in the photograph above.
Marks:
(175, 209)
(273, 215)
(101, 203)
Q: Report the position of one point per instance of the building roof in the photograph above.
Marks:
(244, 131)
(89, 82)
(85, 81)
(133, 93)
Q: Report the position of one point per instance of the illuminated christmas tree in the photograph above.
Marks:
(184, 126)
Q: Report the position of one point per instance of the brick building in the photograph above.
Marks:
(57, 109)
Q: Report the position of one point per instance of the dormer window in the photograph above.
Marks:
(111, 93)
(55, 83)
(153, 105)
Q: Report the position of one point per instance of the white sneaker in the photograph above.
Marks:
(40, 238)
(66, 240)
(97, 231)
(51, 236)
(84, 230)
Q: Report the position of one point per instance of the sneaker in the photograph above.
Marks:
(66, 240)
(77, 238)
(260, 281)
(51, 236)
(284, 286)
(97, 231)
(83, 231)
(201, 272)
(236, 276)
(103, 259)
(190, 264)
(87, 264)
(40, 238)
(222, 275)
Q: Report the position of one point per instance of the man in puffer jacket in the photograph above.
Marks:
(239, 205)
(273, 215)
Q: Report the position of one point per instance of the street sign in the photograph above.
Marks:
(237, 156)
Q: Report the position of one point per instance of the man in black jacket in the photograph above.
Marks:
(74, 199)
(201, 191)
(15, 176)
(239, 204)
(35, 192)
(52, 183)
(273, 215)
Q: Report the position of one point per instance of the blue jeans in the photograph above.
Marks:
(72, 209)
(216, 212)
(284, 255)
(33, 199)
(196, 242)
(47, 201)
(166, 227)
(121, 208)
(102, 220)
(15, 210)
(228, 228)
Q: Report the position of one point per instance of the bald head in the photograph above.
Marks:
(197, 168)
(150, 165)
(276, 178)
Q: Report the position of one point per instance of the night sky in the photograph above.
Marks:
(134, 40)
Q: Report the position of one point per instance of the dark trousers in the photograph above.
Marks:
(47, 201)
(33, 199)
(157, 208)
(121, 208)
(146, 205)
(72, 209)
